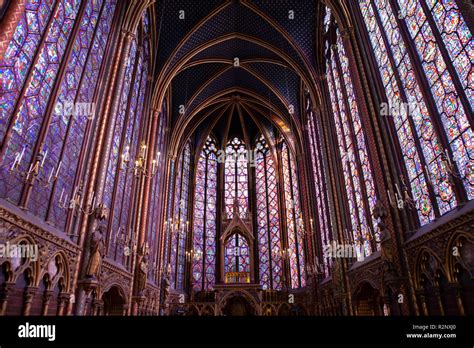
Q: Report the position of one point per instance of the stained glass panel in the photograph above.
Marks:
(446, 97)
(360, 188)
(20, 55)
(269, 244)
(205, 215)
(294, 220)
(33, 103)
(236, 178)
(237, 254)
(320, 187)
(181, 225)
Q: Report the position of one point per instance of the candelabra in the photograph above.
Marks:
(139, 164)
(284, 253)
(402, 198)
(359, 240)
(33, 174)
(193, 255)
(306, 232)
(76, 203)
(314, 269)
(450, 165)
(130, 247)
(177, 228)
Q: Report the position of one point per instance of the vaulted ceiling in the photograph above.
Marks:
(272, 43)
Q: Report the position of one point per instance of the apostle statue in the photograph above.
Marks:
(97, 250)
(166, 284)
(142, 271)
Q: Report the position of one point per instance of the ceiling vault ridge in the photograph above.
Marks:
(221, 72)
(257, 60)
(163, 82)
(207, 94)
(188, 125)
(188, 35)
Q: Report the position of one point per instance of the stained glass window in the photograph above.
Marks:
(432, 27)
(168, 218)
(31, 106)
(74, 141)
(156, 198)
(322, 222)
(360, 188)
(236, 178)
(237, 254)
(66, 132)
(36, 55)
(118, 126)
(268, 220)
(20, 55)
(205, 215)
(294, 219)
(180, 224)
(458, 40)
(121, 174)
(442, 83)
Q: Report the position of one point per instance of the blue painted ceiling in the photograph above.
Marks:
(268, 43)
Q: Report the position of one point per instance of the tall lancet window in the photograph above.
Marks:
(180, 226)
(155, 207)
(50, 72)
(436, 141)
(237, 254)
(205, 214)
(294, 219)
(126, 147)
(358, 178)
(322, 221)
(427, 43)
(236, 178)
(268, 219)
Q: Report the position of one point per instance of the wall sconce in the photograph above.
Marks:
(139, 163)
(402, 198)
(314, 269)
(193, 255)
(283, 253)
(33, 173)
(450, 165)
(76, 203)
(177, 227)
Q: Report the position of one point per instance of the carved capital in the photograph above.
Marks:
(30, 292)
(88, 285)
(128, 35)
(47, 296)
(6, 291)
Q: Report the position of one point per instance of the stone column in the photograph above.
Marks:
(28, 298)
(458, 295)
(46, 299)
(422, 297)
(63, 302)
(4, 295)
